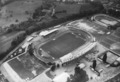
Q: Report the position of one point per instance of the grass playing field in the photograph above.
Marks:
(63, 45)
(105, 17)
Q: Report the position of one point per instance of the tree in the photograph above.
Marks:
(9, 30)
(77, 70)
(58, 65)
(30, 50)
(105, 57)
(26, 12)
(79, 76)
(49, 63)
(16, 20)
(94, 64)
(53, 68)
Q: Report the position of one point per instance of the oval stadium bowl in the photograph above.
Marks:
(64, 44)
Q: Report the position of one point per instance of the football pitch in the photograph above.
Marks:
(63, 45)
(100, 17)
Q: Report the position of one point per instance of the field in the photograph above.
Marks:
(17, 11)
(69, 8)
(24, 65)
(63, 45)
(106, 19)
(5, 40)
(12, 12)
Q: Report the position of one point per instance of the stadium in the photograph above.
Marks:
(58, 44)
(65, 44)
(105, 20)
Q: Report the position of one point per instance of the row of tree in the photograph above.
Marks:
(21, 26)
(85, 10)
(79, 76)
(16, 41)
